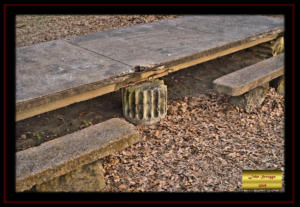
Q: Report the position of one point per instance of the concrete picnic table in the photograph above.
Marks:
(58, 73)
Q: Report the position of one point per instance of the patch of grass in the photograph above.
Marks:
(188, 90)
(85, 122)
(38, 136)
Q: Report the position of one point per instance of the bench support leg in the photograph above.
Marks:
(278, 84)
(145, 103)
(88, 178)
(251, 99)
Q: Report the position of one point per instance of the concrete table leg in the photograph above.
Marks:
(145, 103)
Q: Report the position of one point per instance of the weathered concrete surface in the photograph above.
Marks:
(56, 74)
(170, 39)
(145, 103)
(246, 79)
(251, 99)
(88, 178)
(55, 66)
(62, 155)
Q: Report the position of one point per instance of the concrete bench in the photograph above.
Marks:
(58, 73)
(71, 163)
(248, 85)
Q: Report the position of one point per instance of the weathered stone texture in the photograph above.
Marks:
(251, 99)
(88, 178)
(145, 103)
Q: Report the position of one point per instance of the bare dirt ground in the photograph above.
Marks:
(202, 145)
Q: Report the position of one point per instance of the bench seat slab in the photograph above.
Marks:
(246, 79)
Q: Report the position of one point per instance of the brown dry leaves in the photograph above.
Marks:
(202, 145)
(33, 29)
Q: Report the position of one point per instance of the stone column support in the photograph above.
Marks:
(145, 103)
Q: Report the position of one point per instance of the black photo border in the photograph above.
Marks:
(9, 194)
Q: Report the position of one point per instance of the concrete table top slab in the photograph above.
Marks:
(58, 73)
(56, 66)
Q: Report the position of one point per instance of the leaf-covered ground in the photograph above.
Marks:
(203, 144)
